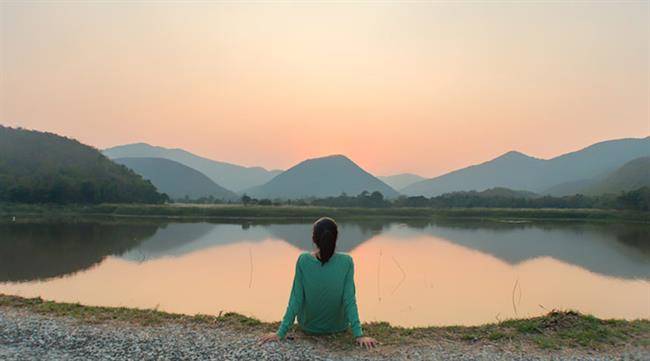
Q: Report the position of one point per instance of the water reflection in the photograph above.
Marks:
(610, 249)
(412, 273)
(34, 251)
(30, 251)
(178, 239)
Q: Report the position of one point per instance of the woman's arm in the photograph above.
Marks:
(350, 302)
(295, 302)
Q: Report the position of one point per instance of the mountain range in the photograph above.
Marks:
(516, 170)
(45, 167)
(632, 175)
(588, 171)
(178, 181)
(231, 176)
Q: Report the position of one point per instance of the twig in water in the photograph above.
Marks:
(514, 288)
(378, 277)
(250, 278)
(403, 275)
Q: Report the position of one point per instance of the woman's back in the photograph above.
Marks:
(323, 296)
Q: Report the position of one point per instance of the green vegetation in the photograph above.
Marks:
(311, 212)
(491, 198)
(555, 330)
(38, 167)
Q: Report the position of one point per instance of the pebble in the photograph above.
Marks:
(28, 336)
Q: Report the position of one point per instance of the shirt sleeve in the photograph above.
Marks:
(295, 302)
(350, 302)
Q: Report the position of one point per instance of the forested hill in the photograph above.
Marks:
(177, 180)
(39, 167)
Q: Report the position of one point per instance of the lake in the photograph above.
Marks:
(413, 273)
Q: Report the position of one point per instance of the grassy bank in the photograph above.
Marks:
(309, 212)
(555, 330)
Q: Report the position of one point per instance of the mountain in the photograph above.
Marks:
(632, 175)
(176, 179)
(570, 188)
(512, 170)
(39, 167)
(516, 170)
(228, 175)
(322, 177)
(399, 181)
(595, 161)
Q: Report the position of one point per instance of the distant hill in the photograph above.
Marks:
(322, 177)
(518, 171)
(38, 167)
(632, 175)
(570, 188)
(175, 179)
(512, 170)
(506, 193)
(230, 176)
(399, 181)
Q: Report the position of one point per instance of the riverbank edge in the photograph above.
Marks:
(557, 330)
(194, 211)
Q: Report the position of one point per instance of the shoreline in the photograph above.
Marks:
(555, 331)
(230, 212)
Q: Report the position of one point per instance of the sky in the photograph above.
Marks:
(421, 87)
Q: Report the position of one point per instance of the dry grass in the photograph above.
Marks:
(555, 330)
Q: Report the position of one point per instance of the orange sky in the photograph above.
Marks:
(419, 87)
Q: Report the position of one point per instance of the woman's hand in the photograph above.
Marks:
(269, 337)
(367, 342)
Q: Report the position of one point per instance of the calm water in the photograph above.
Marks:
(411, 274)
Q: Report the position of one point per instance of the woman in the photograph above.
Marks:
(323, 294)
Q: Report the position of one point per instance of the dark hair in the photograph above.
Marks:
(324, 235)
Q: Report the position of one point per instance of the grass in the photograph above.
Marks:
(555, 330)
(309, 212)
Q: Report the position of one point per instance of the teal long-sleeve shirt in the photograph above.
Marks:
(323, 296)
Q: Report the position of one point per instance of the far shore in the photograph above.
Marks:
(238, 211)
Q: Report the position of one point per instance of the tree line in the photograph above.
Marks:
(638, 199)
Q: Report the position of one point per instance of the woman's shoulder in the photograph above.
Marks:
(345, 256)
(305, 256)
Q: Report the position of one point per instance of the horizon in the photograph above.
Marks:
(421, 88)
(362, 166)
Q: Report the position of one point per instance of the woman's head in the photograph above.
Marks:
(324, 236)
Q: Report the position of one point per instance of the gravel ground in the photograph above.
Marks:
(28, 336)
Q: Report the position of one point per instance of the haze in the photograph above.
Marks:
(424, 88)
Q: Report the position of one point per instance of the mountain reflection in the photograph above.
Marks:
(35, 251)
(616, 250)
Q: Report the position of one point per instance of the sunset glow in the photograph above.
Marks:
(419, 87)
